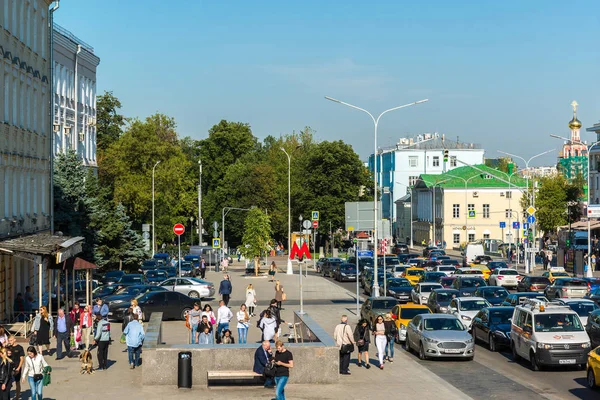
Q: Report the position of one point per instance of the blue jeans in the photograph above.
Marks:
(389, 348)
(269, 381)
(243, 335)
(280, 381)
(36, 388)
(134, 355)
(221, 327)
(194, 328)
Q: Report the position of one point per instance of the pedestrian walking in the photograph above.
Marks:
(204, 327)
(208, 311)
(6, 374)
(63, 330)
(75, 315)
(43, 325)
(391, 332)
(202, 268)
(193, 319)
(280, 295)
(18, 358)
(268, 325)
(3, 337)
(101, 308)
(284, 360)
(34, 372)
(102, 339)
(224, 316)
(227, 337)
(362, 337)
(225, 289)
(134, 337)
(225, 264)
(544, 259)
(262, 356)
(345, 341)
(250, 299)
(137, 310)
(86, 321)
(242, 324)
(272, 271)
(380, 339)
(550, 259)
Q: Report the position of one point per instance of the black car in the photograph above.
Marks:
(186, 268)
(362, 262)
(329, 265)
(433, 277)
(171, 271)
(514, 299)
(100, 292)
(495, 295)
(148, 265)
(593, 295)
(128, 293)
(400, 248)
(112, 277)
(593, 328)
(449, 261)
(439, 299)
(398, 288)
(173, 305)
(492, 326)
(156, 276)
(132, 279)
(345, 272)
(533, 284)
(483, 260)
(429, 249)
(492, 265)
(468, 285)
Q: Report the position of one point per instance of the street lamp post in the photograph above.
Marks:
(530, 265)
(589, 238)
(375, 123)
(153, 229)
(300, 262)
(290, 270)
(200, 204)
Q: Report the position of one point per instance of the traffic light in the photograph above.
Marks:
(445, 155)
(568, 242)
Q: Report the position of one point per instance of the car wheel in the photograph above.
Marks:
(407, 344)
(422, 355)
(535, 366)
(184, 313)
(193, 294)
(591, 379)
(492, 343)
(515, 356)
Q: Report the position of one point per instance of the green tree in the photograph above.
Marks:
(551, 203)
(109, 123)
(257, 234)
(70, 214)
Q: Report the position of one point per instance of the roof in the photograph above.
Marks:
(77, 263)
(40, 243)
(474, 177)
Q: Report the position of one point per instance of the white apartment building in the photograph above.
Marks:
(595, 166)
(74, 94)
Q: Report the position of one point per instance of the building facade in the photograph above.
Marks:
(594, 159)
(573, 157)
(74, 95)
(470, 204)
(399, 167)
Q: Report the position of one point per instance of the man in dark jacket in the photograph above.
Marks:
(225, 289)
(262, 355)
(63, 329)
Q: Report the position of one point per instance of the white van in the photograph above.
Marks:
(473, 250)
(548, 334)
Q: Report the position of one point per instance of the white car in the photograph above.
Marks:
(447, 269)
(192, 287)
(582, 307)
(399, 270)
(505, 277)
(465, 308)
(420, 293)
(468, 273)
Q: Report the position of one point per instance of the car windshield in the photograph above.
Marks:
(508, 272)
(383, 304)
(129, 279)
(494, 293)
(399, 268)
(389, 260)
(470, 272)
(472, 282)
(498, 317)
(583, 308)
(429, 288)
(415, 272)
(103, 290)
(348, 268)
(575, 283)
(156, 274)
(497, 264)
(442, 324)
(399, 282)
(434, 276)
(557, 323)
(539, 279)
(559, 274)
(473, 305)
(444, 296)
(132, 290)
(446, 268)
(410, 313)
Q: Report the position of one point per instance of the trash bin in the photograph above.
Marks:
(184, 369)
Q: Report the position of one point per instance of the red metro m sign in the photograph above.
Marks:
(299, 252)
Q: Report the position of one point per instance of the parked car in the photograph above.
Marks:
(173, 305)
(132, 279)
(468, 285)
(363, 262)
(402, 314)
(594, 295)
(162, 258)
(375, 306)
(112, 277)
(128, 293)
(368, 289)
(566, 287)
(171, 271)
(465, 308)
(583, 308)
(329, 265)
(399, 288)
(491, 325)
(344, 272)
(192, 287)
(533, 284)
(321, 261)
(421, 291)
(194, 259)
(514, 299)
(400, 248)
(186, 268)
(148, 265)
(504, 277)
(439, 299)
(156, 276)
(494, 294)
(439, 335)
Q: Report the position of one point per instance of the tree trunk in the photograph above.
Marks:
(256, 266)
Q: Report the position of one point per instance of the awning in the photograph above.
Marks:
(44, 244)
(77, 264)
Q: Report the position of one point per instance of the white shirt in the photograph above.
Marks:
(225, 315)
(34, 365)
(241, 319)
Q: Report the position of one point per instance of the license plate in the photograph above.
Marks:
(567, 361)
(453, 351)
(403, 297)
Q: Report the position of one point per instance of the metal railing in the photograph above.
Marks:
(74, 38)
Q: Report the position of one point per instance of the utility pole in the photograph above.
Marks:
(200, 205)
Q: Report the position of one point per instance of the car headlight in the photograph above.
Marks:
(469, 341)
(402, 327)
(500, 333)
(429, 340)
(465, 317)
(117, 302)
(391, 292)
(585, 345)
(444, 309)
(544, 346)
(343, 274)
(423, 298)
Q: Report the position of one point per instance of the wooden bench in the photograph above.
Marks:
(241, 376)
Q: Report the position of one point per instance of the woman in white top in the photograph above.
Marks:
(33, 370)
(250, 299)
(208, 311)
(268, 324)
(242, 324)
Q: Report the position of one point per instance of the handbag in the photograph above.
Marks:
(361, 342)
(347, 348)
(123, 339)
(270, 370)
(33, 339)
(283, 296)
(36, 377)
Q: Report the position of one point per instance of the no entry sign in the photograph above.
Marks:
(178, 229)
(315, 224)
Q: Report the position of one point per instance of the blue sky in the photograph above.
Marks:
(499, 73)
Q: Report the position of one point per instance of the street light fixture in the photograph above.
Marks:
(375, 123)
(290, 270)
(153, 230)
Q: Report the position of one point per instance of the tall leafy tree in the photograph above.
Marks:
(70, 213)
(109, 122)
(257, 234)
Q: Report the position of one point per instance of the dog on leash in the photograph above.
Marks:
(87, 363)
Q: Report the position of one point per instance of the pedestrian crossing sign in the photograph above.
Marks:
(471, 213)
(315, 215)
(216, 243)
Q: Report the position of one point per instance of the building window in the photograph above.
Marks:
(413, 161)
(455, 210)
(412, 180)
(487, 176)
(453, 161)
(471, 237)
(456, 238)
(486, 235)
(436, 161)
(486, 211)
(509, 194)
(471, 207)
(508, 213)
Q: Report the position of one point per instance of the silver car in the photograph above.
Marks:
(192, 287)
(420, 293)
(439, 335)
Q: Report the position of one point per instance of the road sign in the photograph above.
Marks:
(306, 224)
(502, 224)
(532, 249)
(315, 224)
(350, 229)
(593, 211)
(216, 234)
(531, 219)
(531, 210)
(315, 215)
(471, 213)
(178, 229)
(364, 253)
(216, 243)
(215, 225)
(145, 227)
(516, 225)
(146, 235)
(525, 225)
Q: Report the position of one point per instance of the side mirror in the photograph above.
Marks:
(453, 309)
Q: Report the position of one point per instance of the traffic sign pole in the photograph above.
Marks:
(179, 260)
(179, 229)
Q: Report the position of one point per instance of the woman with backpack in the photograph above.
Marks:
(391, 332)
